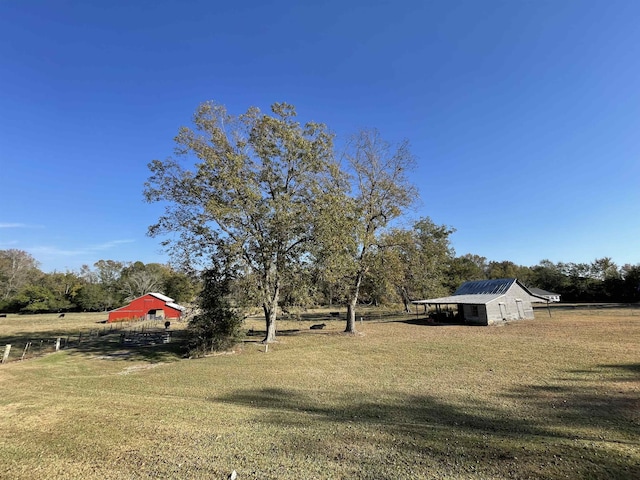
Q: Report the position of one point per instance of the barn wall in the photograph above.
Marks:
(140, 307)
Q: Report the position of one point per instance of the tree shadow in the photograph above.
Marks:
(470, 439)
(154, 351)
(609, 405)
(429, 322)
(261, 333)
(629, 371)
(109, 345)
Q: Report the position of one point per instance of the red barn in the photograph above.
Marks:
(149, 306)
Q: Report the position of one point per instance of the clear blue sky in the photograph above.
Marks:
(524, 115)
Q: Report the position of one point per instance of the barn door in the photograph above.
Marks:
(520, 309)
(503, 311)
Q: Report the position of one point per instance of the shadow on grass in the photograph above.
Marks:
(425, 321)
(284, 333)
(109, 346)
(624, 372)
(563, 432)
(600, 399)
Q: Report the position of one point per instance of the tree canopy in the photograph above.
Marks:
(381, 192)
(247, 191)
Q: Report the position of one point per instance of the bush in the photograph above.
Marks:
(217, 326)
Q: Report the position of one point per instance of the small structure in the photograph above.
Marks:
(152, 306)
(488, 302)
(549, 296)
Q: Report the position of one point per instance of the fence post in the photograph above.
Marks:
(58, 344)
(7, 349)
(26, 349)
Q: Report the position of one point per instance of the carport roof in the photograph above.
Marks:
(478, 299)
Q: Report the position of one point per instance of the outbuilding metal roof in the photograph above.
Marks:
(461, 299)
(483, 287)
(543, 293)
(477, 292)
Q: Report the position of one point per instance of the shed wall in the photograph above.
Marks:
(514, 305)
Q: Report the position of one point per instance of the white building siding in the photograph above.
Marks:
(515, 304)
(489, 302)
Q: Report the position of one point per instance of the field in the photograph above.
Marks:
(548, 398)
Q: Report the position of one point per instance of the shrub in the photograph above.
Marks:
(217, 326)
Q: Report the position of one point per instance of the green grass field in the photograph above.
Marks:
(549, 398)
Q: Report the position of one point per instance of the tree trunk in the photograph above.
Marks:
(351, 306)
(270, 307)
(405, 300)
(270, 319)
(351, 316)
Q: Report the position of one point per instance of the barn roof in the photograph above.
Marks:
(176, 306)
(477, 292)
(162, 297)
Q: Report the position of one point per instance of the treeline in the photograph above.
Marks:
(599, 281)
(408, 265)
(109, 284)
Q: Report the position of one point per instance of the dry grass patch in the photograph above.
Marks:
(48, 324)
(550, 398)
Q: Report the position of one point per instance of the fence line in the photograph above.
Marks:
(39, 346)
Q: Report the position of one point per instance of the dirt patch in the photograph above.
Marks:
(137, 368)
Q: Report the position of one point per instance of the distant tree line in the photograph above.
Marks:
(109, 284)
(409, 264)
(599, 281)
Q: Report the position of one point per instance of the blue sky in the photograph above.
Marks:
(524, 115)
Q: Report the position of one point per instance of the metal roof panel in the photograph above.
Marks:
(482, 287)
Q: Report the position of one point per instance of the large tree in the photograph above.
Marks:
(108, 274)
(139, 279)
(17, 269)
(381, 193)
(245, 189)
(414, 262)
(465, 268)
(508, 269)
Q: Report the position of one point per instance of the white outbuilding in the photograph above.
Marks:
(488, 302)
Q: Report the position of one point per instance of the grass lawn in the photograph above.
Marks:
(548, 398)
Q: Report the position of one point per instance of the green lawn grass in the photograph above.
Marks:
(549, 398)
